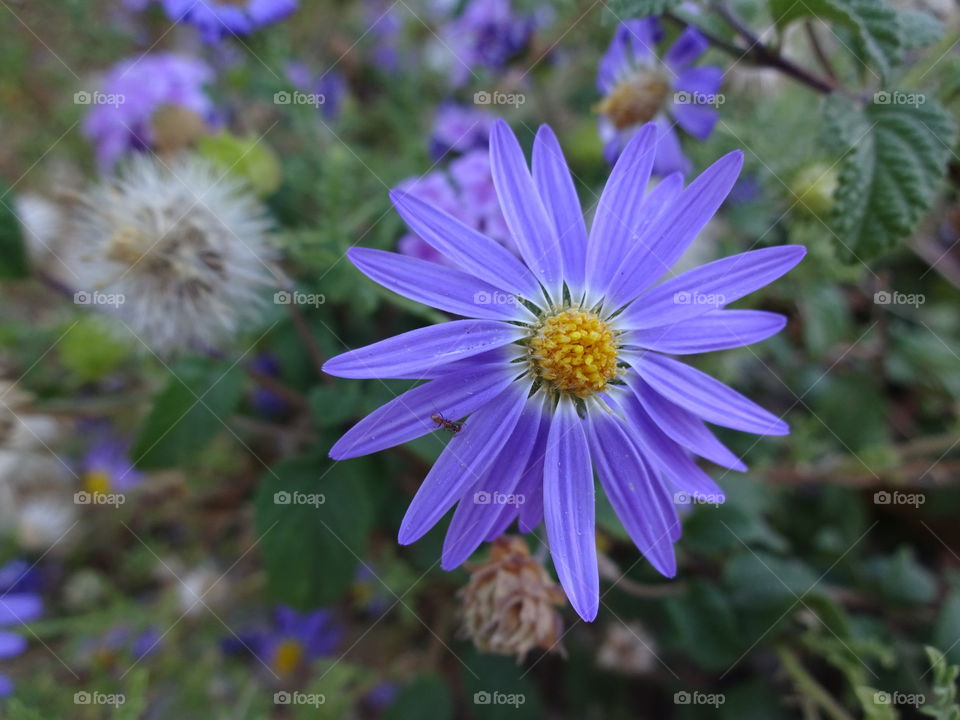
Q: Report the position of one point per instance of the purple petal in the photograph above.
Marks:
(710, 286)
(502, 522)
(682, 426)
(11, 645)
(478, 511)
(670, 158)
(689, 46)
(671, 234)
(633, 41)
(619, 210)
(408, 416)
(568, 503)
(715, 330)
(698, 120)
(629, 483)
(436, 285)
(522, 208)
(423, 349)
(19, 608)
(531, 483)
(658, 200)
(467, 456)
(700, 80)
(472, 251)
(706, 397)
(667, 455)
(555, 185)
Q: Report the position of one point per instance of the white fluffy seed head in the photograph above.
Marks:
(179, 251)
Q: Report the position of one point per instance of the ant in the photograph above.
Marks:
(448, 425)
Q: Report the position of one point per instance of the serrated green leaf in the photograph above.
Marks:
(875, 27)
(943, 704)
(313, 519)
(919, 29)
(896, 155)
(190, 410)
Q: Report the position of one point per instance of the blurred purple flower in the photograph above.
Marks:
(459, 129)
(107, 467)
(488, 34)
(384, 24)
(296, 639)
(122, 641)
(562, 366)
(266, 401)
(16, 608)
(216, 19)
(140, 87)
(639, 87)
(331, 87)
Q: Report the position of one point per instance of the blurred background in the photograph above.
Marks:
(175, 542)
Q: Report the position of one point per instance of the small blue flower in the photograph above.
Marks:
(488, 34)
(216, 19)
(296, 639)
(639, 87)
(16, 608)
(563, 366)
(460, 129)
(107, 467)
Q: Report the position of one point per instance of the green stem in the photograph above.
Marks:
(809, 687)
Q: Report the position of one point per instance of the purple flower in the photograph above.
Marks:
(216, 19)
(107, 467)
(563, 367)
(638, 87)
(140, 87)
(460, 129)
(329, 88)
(488, 34)
(16, 608)
(296, 639)
(122, 642)
(385, 23)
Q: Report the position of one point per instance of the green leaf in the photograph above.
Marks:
(946, 630)
(92, 349)
(13, 254)
(943, 705)
(875, 26)
(627, 9)
(244, 157)
(189, 411)
(497, 688)
(901, 578)
(426, 698)
(705, 626)
(919, 28)
(896, 154)
(313, 518)
(332, 405)
(876, 704)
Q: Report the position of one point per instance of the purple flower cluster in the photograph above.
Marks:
(487, 34)
(216, 19)
(563, 366)
(122, 114)
(640, 87)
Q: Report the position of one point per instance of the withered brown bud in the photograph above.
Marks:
(510, 604)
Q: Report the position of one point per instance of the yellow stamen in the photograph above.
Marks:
(288, 657)
(96, 482)
(635, 100)
(575, 352)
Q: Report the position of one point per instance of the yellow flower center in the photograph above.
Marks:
(635, 100)
(96, 482)
(288, 657)
(575, 352)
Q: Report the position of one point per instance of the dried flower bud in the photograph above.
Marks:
(509, 605)
(627, 649)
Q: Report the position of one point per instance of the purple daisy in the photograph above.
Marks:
(460, 129)
(638, 87)
(107, 467)
(16, 608)
(216, 19)
(141, 86)
(297, 639)
(564, 366)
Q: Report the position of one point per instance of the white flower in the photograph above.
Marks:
(178, 251)
(44, 522)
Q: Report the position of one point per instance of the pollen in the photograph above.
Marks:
(287, 657)
(635, 100)
(575, 352)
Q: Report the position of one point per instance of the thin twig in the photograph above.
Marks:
(818, 51)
